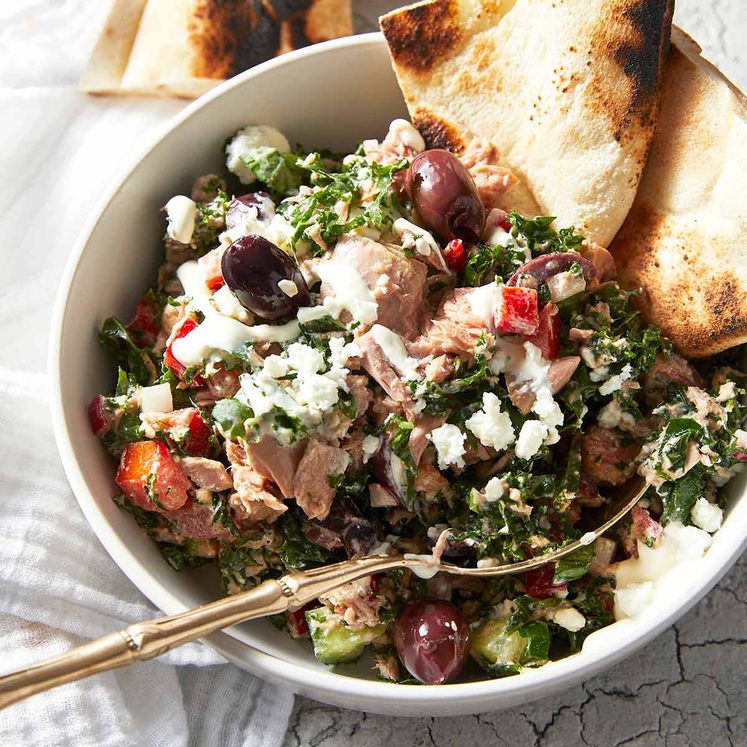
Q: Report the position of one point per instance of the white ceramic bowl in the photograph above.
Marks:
(331, 95)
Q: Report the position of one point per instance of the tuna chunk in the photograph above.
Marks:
(481, 159)
(362, 396)
(398, 284)
(252, 500)
(381, 370)
(560, 373)
(195, 521)
(312, 485)
(356, 602)
(268, 459)
(207, 473)
(608, 457)
(464, 316)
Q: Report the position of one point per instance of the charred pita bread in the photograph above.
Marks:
(567, 91)
(185, 47)
(685, 239)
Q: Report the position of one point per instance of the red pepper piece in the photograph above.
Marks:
(518, 311)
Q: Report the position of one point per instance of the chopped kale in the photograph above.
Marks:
(136, 361)
(231, 416)
(279, 172)
(295, 551)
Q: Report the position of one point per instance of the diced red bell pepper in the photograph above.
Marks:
(455, 255)
(197, 442)
(146, 321)
(518, 311)
(741, 456)
(297, 626)
(547, 336)
(504, 223)
(539, 583)
(215, 283)
(97, 416)
(170, 360)
(150, 476)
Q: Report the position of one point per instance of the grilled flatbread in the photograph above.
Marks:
(685, 240)
(567, 91)
(185, 47)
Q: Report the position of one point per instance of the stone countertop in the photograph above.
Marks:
(685, 688)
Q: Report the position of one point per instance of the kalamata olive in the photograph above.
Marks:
(239, 207)
(445, 196)
(252, 268)
(432, 640)
(541, 268)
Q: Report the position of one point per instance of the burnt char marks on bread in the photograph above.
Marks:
(436, 132)
(419, 36)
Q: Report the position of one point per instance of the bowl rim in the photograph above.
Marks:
(629, 635)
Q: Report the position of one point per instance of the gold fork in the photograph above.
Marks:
(145, 640)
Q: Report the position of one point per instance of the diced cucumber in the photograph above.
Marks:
(335, 642)
(500, 653)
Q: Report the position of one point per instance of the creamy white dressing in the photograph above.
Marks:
(425, 567)
(394, 349)
(658, 572)
(482, 303)
(180, 214)
(350, 292)
(192, 278)
(221, 334)
(415, 236)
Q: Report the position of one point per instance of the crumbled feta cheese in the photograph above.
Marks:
(613, 416)
(276, 366)
(180, 215)
(564, 285)
(253, 139)
(288, 287)
(614, 383)
(495, 489)
(304, 358)
(370, 446)
(488, 563)
(706, 516)
(569, 618)
(156, 398)
(449, 443)
(492, 427)
(531, 437)
(599, 374)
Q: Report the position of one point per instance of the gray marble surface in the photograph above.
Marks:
(689, 687)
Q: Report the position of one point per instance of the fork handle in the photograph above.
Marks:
(143, 640)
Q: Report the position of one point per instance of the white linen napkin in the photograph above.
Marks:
(59, 151)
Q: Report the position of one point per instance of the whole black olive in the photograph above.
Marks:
(253, 268)
(445, 196)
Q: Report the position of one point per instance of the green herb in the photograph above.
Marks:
(537, 635)
(573, 566)
(231, 416)
(540, 237)
(117, 341)
(222, 514)
(323, 324)
(674, 441)
(296, 552)
(181, 556)
(678, 497)
(280, 172)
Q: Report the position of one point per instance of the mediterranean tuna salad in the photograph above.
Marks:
(371, 353)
